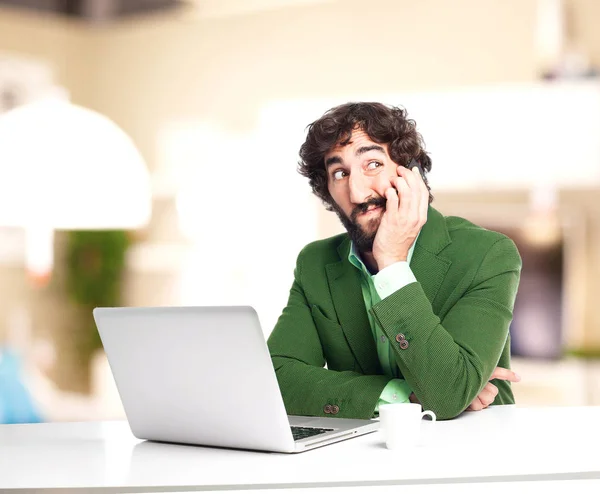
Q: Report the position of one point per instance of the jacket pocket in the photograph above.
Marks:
(333, 341)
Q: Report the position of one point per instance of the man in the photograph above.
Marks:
(409, 304)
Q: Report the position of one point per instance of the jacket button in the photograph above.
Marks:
(327, 409)
(400, 337)
(404, 344)
(335, 409)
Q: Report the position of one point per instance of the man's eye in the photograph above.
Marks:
(374, 164)
(339, 174)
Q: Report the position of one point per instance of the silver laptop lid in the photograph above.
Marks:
(197, 375)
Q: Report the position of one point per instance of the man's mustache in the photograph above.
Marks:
(378, 202)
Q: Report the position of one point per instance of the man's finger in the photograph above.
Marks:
(409, 176)
(486, 396)
(391, 193)
(505, 375)
(392, 199)
(476, 405)
(415, 184)
(411, 209)
(404, 195)
(491, 388)
(414, 179)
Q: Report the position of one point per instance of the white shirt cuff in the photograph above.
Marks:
(392, 278)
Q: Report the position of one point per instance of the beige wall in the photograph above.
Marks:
(226, 69)
(583, 23)
(147, 72)
(63, 43)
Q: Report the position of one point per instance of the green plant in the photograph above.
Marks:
(95, 265)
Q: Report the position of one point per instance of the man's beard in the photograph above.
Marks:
(363, 240)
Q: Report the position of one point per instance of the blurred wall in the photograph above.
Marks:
(226, 68)
(63, 43)
(583, 24)
(142, 73)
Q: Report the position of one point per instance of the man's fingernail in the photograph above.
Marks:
(517, 376)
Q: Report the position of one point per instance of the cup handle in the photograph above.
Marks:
(430, 413)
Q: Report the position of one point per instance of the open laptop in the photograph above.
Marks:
(204, 376)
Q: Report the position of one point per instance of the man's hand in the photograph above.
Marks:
(489, 392)
(405, 215)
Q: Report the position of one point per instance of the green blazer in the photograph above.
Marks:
(449, 330)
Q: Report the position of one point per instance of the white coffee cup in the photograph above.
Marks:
(400, 423)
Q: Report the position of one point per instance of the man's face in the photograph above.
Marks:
(358, 175)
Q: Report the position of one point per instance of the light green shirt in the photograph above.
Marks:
(374, 289)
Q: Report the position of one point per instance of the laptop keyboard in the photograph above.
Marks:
(304, 432)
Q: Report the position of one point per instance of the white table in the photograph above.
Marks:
(500, 444)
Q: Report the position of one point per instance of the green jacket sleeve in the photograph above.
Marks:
(448, 362)
(306, 386)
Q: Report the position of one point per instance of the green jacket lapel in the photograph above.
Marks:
(428, 267)
(344, 283)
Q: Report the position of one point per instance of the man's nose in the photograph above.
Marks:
(360, 189)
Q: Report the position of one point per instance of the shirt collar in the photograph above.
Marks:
(356, 261)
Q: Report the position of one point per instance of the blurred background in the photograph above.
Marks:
(148, 153)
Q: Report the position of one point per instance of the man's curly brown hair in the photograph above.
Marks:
(383, 124)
